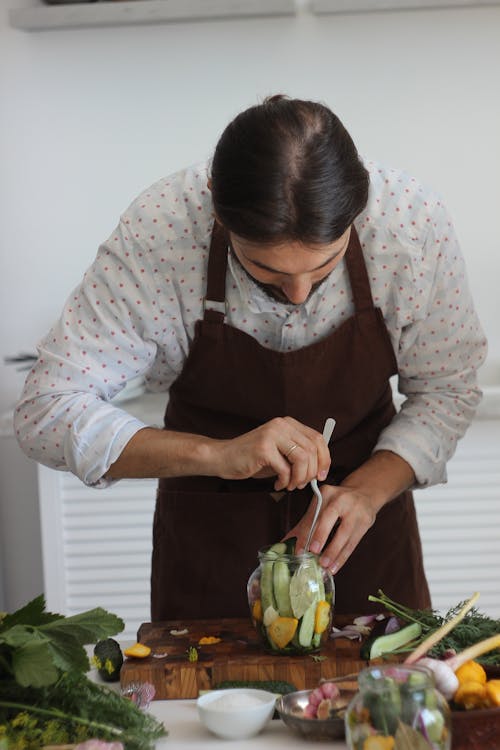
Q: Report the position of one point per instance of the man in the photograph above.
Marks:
(283, 283)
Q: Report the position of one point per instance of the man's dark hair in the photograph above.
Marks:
(287, 169)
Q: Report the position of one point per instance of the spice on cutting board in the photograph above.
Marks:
(138, 651)
(208, 640)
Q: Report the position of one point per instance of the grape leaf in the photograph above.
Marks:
(33, 665)
(20, 634)
(86, 627)
(67, 653)
(32, 613)
(39, 650)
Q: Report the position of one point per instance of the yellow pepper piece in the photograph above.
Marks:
(493, 693)
(138, 651)
(471, 695)
(208, 640)
(282, 630)
(376, 742)
(257, 610)
(471, 671)
(321, 617)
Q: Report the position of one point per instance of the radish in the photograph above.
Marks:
(322, 701)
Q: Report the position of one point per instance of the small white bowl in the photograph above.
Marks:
(236, 713)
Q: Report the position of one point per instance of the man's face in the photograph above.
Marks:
(289, 271)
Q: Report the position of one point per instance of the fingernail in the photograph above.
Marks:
(325, 562)
(322, 475)
(315, 548)
(300, 551)
(334, 569)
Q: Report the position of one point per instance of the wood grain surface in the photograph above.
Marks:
(238, 656)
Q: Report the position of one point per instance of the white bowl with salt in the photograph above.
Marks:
(236, 713)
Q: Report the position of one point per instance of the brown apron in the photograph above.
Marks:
(207, 531)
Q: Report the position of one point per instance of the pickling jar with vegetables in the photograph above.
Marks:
(397, 706)
(291, 600)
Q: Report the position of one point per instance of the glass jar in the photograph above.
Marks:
(397, 706)
(291, 600)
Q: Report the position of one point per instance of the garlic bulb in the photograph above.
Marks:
(444, 676)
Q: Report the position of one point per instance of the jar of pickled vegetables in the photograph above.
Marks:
(291, 600)
(397, 706)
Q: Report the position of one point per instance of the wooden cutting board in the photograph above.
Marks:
(238, 656)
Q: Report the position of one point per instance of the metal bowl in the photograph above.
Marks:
(291, 709)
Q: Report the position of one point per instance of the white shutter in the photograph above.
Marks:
(97, 546)
(460, 524)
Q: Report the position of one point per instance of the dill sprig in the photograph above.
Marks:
(474, 627)
(46, 697)
(81, 709)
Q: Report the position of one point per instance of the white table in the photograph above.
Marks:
(186, 732)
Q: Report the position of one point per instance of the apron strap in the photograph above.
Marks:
(214, 304)
(358, 275)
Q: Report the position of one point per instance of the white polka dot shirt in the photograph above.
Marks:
(134, 313)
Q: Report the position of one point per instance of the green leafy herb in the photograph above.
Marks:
(473, 628)
(36, 647)
(45, 696)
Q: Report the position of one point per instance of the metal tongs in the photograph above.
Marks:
(327, 434)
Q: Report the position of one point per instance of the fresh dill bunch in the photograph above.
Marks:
(84, 710)
(474, 627)
(27, 731)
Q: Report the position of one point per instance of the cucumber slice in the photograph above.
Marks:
(279, 548)
(321, 585)
(304, 589)
(281, 588)
(266, 582)
(385, 644)
(306, 631)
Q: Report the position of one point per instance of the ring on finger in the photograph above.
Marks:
(291, 450)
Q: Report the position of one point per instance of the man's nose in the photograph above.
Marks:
(296, 289)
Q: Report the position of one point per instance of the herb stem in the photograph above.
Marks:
(56, 713)
(398, 609)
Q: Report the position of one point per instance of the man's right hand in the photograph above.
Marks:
(283, 447)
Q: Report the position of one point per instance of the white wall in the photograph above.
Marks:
(91, 116)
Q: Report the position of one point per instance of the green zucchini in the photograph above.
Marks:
(281, 588)
(108, 659)
(386, 644)
(279, 548)
(306, 630)
(266, 581)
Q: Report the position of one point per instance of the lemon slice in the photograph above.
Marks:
(304, 589)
